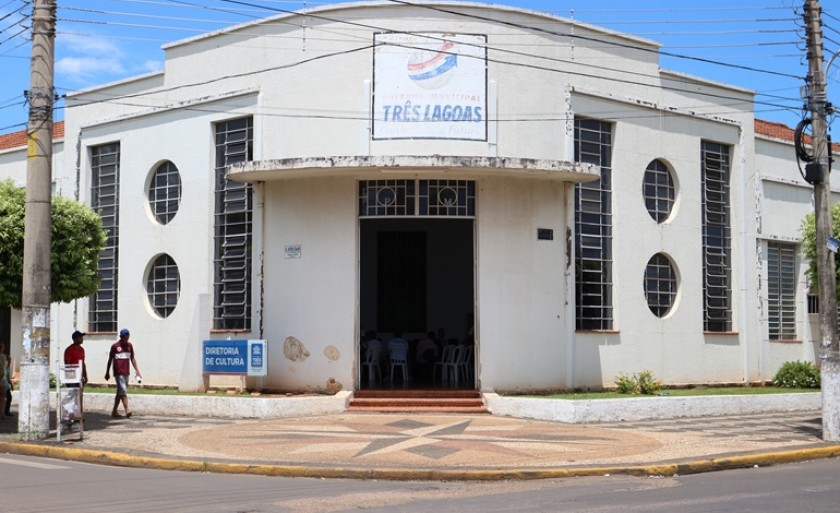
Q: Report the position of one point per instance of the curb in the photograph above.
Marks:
(102, 457)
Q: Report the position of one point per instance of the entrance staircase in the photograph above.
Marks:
(417, 401)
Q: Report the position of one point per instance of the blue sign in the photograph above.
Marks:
(235, 357)
(833, 244)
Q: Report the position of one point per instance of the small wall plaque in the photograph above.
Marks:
(293, 251)
(545, 234)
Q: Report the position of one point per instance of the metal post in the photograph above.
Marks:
(34, 416)
(829, 354)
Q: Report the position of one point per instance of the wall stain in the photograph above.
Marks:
(332, 353)
(294, 350)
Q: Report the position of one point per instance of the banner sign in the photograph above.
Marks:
(430, 86)
(246, 357)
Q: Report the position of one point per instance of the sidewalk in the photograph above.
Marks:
(435, 446)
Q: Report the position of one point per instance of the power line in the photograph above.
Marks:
(497, 61)
(586, 38)
(654, 76)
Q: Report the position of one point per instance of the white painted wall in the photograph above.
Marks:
(308, 90)
(521, 286)
(312, 298)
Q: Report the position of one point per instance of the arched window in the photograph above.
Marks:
(165, 192)
(660, 284)
(163, 285)
(658, 191)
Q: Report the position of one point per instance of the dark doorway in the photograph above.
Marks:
(416, 276)
(401, 281)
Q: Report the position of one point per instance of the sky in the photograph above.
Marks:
(754, 44)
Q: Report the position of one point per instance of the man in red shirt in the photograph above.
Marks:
(75, 355)
(121, 355)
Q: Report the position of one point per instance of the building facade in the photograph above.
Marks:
(538, 188)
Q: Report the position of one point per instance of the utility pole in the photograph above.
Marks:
(34, 417)
(818, 105)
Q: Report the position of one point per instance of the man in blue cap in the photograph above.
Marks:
(122, 353)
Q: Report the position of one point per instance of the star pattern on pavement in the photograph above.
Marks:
(385, 440)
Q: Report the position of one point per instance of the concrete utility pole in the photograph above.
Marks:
(34, 417)
(817, 104)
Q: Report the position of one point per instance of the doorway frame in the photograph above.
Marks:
(473, 218)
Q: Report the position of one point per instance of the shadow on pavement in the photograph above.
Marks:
(93, 421)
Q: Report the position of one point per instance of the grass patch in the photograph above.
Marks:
(680, 392)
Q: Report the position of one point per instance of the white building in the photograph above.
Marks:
(540, 182)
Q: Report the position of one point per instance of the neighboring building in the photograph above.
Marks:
(550, 193)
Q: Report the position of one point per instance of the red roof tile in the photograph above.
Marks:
(785, 133)
(18, 139)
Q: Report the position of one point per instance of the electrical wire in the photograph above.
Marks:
(798, 142)
(497, 61)
(502, 62)
(269, 9)
(586, 38)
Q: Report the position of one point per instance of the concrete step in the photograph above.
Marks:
(478, 410)
(400, 393)
(416, 401)
(425, 401)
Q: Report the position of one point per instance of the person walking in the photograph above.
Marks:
(121, 355)
(75, 355)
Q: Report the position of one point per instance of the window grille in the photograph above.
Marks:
(163, 285)
(781, 290)
(233, 226)
(165, 192)
(658, 191)
(660, 285)
(814, 304)
(593, 228)
(386, 198)
(717, 269)
(104, 200)
(453, 198)
(411, 198)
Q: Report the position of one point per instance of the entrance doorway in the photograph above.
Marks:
(416, 276)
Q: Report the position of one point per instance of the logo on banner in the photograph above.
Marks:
(433, 69)
(430, 86)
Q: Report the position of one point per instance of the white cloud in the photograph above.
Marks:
(83, 60)
(152, 65)
(82, 69)
(89, 45)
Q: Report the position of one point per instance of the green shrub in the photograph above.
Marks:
(641, 383)
(627, 384)
(797, 375)
(648, 385)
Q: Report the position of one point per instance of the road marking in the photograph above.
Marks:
(45, 466)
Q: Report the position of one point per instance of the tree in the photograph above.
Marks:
(77, 241)
(809, 246)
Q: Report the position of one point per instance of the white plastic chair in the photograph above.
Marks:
(447, 358)
(464, 364)
(398, 353)
(452, 369)
(372, 364)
